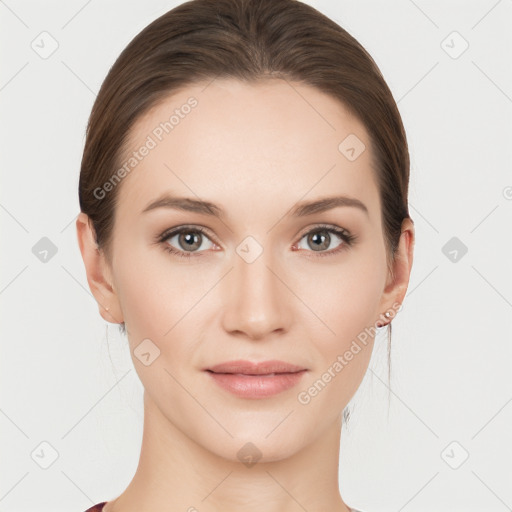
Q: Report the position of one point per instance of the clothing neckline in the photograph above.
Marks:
(99, 508)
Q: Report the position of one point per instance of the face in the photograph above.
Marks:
(254, 276)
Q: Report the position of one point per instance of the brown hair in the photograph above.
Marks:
(248, 40)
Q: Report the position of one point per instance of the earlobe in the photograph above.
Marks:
(97, 271)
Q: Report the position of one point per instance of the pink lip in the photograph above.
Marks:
(249, 368)
(254, 380)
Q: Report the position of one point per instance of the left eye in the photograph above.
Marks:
(320, 239)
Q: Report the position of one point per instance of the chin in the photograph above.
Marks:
(256, 448)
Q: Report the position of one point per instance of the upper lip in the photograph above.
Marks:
(255, 368)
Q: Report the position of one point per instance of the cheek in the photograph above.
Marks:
(344, 296)
(159, 300)
(162, 300)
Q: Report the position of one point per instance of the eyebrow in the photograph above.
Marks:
(301, 209)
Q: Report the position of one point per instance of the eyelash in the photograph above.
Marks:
(348, 240)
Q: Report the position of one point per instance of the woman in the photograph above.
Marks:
(244, 218)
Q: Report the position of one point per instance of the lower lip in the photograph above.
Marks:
(257, 386)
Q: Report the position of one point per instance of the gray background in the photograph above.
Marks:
(65, 386)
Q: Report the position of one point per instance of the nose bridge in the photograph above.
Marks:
(256, 302)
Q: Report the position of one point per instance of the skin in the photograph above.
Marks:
(255, 150)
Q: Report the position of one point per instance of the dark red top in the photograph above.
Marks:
(97, 508)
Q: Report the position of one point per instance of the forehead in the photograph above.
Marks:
(244, 145)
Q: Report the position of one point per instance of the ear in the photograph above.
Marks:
(98, 271)
(399, 273)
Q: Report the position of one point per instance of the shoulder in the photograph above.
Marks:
(99, 507)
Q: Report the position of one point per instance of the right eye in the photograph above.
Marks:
(186, 238)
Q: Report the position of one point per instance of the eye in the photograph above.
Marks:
(188, 240)
(321, 238)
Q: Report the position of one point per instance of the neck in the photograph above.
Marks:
(176, 473)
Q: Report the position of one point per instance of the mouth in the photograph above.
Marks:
(256, 380)
(249, 368)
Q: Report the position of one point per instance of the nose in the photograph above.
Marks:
(256, 301)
